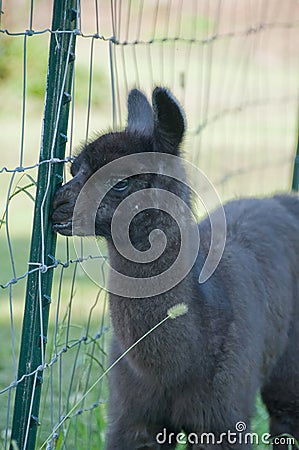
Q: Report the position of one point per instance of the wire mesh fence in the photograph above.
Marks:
(234, 66)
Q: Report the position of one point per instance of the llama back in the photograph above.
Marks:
(261, 255)
(290, 202)
(269, 227)
(260, 226)
(259, 274)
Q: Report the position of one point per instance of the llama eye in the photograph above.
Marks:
(121, 185)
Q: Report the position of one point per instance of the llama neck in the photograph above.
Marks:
(133, 317)
(166, 249)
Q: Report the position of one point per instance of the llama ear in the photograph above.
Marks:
(140, 113)
(169, 121)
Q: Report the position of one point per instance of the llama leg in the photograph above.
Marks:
(282, 401)
(132, 425)
(223, 446)
(222, 441)
(281, 394)
(138, 437)
(226, 434)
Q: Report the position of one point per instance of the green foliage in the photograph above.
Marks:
(199, 23)
(36, 48)
(12, 63)
(82, 86)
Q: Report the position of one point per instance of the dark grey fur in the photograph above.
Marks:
(200, 372)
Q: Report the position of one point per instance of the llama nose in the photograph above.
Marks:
(62, 196)
(58, 198)
(63, 205)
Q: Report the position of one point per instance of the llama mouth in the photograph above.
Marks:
(63, 228)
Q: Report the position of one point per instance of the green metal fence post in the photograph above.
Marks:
(43, 243)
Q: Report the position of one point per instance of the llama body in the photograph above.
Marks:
(200, 372)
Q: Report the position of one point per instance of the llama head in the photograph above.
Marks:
(156, 129)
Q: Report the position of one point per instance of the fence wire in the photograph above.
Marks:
(234, 65)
